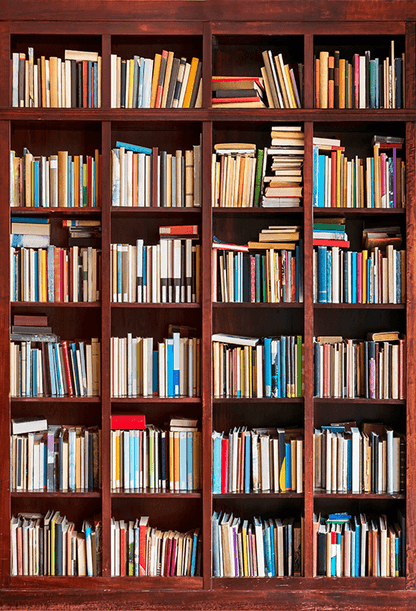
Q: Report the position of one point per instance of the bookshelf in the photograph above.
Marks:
(229, 38)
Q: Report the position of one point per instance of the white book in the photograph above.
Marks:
(141, 179)
(362, 84)
(176, 271)
(184, 84)
(258, 528)
(115, 180)
(129, 169)
(113, 80)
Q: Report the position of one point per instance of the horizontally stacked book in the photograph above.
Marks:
(168, 272)
(145, 457)
(170, 370)
(373, 182)
(265, 459)
(350, 368)
(139, 549)
(60, 180)
(163, 82)
(242, 275)
(144, 177)
(359, 81)
(54, 457)
(49, 544)
(250, 367)
(44, 366)
(52, 273)
(261, 547)
(347, 459)
(72, 82)
(359, 546)
(374, 275)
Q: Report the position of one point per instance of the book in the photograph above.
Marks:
(26, 424)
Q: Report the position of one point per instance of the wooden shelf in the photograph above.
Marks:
(157, 494)
(360, 306)
(56, 494)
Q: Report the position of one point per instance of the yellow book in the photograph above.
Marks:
(364, 282)
(76, 180)
(63, 179)
(282, 475)
(244, 541)
(155, 79)
(290, 87)
(131, 79)
(342, 83)
(53, 77)
(191, 82)
(52, 543)
(338, 190)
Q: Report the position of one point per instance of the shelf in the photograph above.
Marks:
(124, 583)
(321, 494)
(360, 306)
(264, 400)
(55, 399)
(156, 400)
(56, 494)
(55, 304)
(256, 211)
(294, 583)
(357, 211)
(259, 495)
(361, 401)
(159, 494)
(150, 211)
(265, 306)
(55, 211)
(156, 306)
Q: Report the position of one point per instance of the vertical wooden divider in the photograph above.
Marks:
(206, 375)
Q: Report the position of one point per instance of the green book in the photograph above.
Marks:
(259, 172)
(299, 366)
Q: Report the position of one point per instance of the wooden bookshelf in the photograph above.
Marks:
(229, 38)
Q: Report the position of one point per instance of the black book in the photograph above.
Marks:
(73, 83)
(79, 84)
(321, 568)
(235, 93)
(367, 79)
(196, 85)
(172, 82)
(123, 84)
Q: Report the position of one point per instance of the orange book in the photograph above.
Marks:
(331, 81)
(191, 82)
(317, 89)
(155, 79)
(84, 84)
(342, 83)
(62, 179)
(161, 79)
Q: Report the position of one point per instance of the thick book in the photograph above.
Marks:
(29, 424)
(128, 421)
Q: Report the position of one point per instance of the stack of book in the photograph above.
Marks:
(234, 172)
(72, 82)
(351, 368)
(359, 546)
(373, 182)
(239, 276)
(270, 547)
(43, 366)
(147, 458)
(60, 180)
(163, 82)
(281, 177)
(139, 549)
(361, 82)
(361, 277)
(260, 460)
(29, 232)
(54, 274)
(147, 177)
(250, 367)
(283, 84)
(168, 272)
(83, 232)
(330, 232)
(171, 370)
(238, 92)
(49, 458)
(349, 460)
(48, 544)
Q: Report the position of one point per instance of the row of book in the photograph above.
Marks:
(349, 460)
(246, 367)
(359, 546)
(56, 458)
(360, 82)
(147, 177)
(350, 368)
(56, 181)
(261, 547)
(359, 277)
(55, 274)
(71, 82)
(236, 171)
(44, 366)
(258, 460)
(163, 82)
(49, 544)
(283, 83)
(154, 459)
(140, 549)
(371, 182)
(168, 272)
(139, 369)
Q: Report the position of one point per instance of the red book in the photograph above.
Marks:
(294, 264)
(402, 368)
(84, 84)
(179, 230)
(128, 421)
(340, 243)
(359, 277)
(61, 271)
(224, 466)
(27, 320)
(356, 80)
(231, 100)
(168, 557)
(144, 520)
(67, 368)
(89, 184)
(333, 179)
(174, 550)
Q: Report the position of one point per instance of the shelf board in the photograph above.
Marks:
(256, 400)
(259, 495)
(55, 399)
(170, 306)
(356, 211)
(156, 400)
(122, 583)
(126, 210)
(159, 494)
(56, 304)
(362, 495)
(361, 400)
(266, 306)
(55, 211)
(360, 306)
(56, 494)
(301, 583)
(257, 210)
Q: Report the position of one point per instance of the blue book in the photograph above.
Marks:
(34, 373)
(357, 546)
(267, 552)
(147, 82)
(155, 372)
(60, 460)
(373, 78)
(315, 175)
(216, 462)
(189, 459)
(169, 362)
(182, 461)
(346, 270)
(51, 369)
(134, 147)
(329, 276)
(247, 466)
(322, 272)
(77, 373)
(59, 383)
(176, 364)
(278, 370)
(283, 365)
(390, 203)
(267, 367)
(377, 83)
(30, 219)
(272, 549)
(288, 462)
(321, 182)
(36, 183)
(194, 550)
(353, 277)
(140, 85)
(353, 548)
